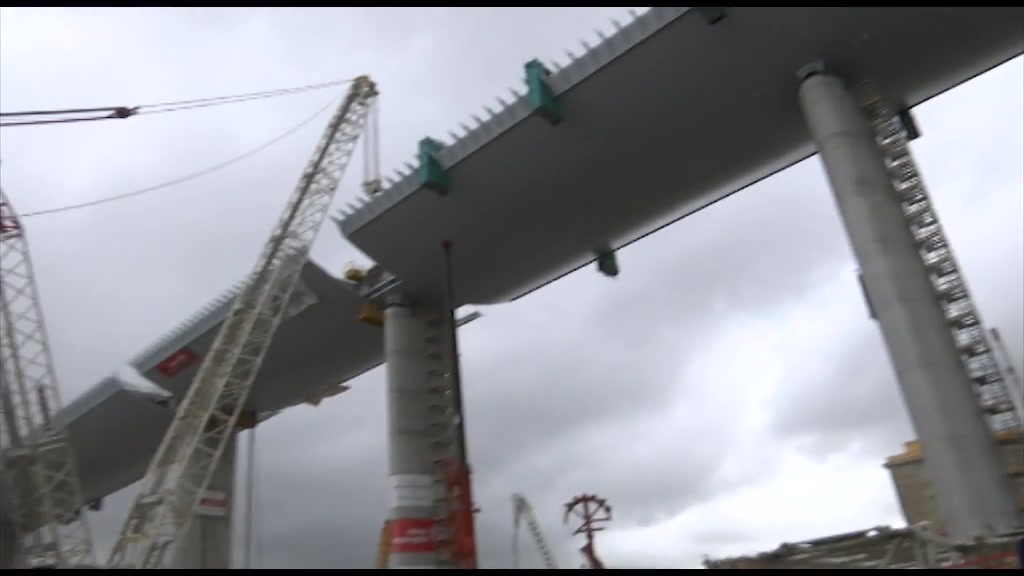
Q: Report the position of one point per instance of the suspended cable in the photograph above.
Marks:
(252, 95)
(54, 112)
(185, 178)
(123, 112)
(55, 121)
(118, 113)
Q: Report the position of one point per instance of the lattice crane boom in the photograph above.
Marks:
(40, 469)
(184, 463)
(523, 511)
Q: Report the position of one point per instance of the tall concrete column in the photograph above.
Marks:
(208, 542)
(970, 484)
(415, 410)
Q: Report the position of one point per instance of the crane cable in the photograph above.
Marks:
(188, 177)
(124, 112)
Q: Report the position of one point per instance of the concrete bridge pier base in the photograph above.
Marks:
(417, 434)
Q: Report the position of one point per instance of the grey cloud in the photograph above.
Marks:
(625, 387)
(866, 410)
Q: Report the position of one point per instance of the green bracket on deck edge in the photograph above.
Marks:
(608, 264)
(539, 94)
(430, 172)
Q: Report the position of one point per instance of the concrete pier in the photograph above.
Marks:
(973, 493)
(417, 434)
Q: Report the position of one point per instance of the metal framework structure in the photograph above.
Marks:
(522, 510)
(893, 133)
(881, 547)
(1014, 385)
(40, 469)
(183, 465)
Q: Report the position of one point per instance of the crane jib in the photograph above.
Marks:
(208, 414)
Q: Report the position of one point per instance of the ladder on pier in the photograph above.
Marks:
(962, 317)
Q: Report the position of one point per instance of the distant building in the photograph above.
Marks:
(912, 487)
(895, 547)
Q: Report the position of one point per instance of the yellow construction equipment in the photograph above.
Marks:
(354, 274)
(384, 548)
(370, 313)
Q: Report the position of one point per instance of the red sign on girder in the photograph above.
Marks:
(177, 362)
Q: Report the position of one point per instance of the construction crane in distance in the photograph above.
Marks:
(523, 511)
(38, 464)
(206, 417)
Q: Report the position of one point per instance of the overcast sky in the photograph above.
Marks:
(727, 392)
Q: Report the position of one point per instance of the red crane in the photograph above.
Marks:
(592, 511)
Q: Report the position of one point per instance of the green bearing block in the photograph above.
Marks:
(430, 172)
(539, 94)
